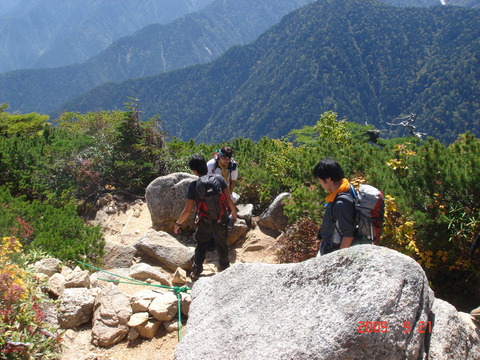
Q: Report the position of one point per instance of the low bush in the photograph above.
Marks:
(299, 242)
(25, 333)
(59, 232)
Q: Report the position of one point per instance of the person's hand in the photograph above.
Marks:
(176, 228)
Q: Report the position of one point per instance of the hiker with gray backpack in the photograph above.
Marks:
(351, 217)
(215, 210)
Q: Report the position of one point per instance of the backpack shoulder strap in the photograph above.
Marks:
(349, 196)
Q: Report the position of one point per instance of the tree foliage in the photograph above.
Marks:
(15, 124)
(432, 189)
(48, 177)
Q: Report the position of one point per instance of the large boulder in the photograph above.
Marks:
(166, 197)
(165, 250)
(452, 337)
(350, 304)
(273, 218)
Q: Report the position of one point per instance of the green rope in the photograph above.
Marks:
(177, 290)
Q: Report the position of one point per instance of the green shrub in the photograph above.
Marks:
(59, 232)
(124, 152)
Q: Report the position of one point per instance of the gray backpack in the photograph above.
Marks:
(369, 213)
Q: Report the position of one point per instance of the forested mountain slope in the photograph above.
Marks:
(48, 33)
(195, 38)
(365, 60)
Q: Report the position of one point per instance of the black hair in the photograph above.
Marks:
(198, 163)
(328, 168)
(226, 151)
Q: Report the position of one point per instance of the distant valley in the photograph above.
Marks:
(52, 33)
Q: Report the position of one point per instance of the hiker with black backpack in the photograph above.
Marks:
(215, 209)
(350, 218)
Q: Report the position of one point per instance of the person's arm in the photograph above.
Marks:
(232, 185)
(231, 205)
(346, 242)
(187, 209)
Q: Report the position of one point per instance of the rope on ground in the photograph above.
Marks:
(177, 290)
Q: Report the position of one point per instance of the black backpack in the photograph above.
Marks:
(212, 203)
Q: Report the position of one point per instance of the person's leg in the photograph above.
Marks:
(211, 243)
(203, 235)
(221, 235)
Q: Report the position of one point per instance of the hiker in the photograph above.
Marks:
(338, 226)
(206, 225)
(223, 164)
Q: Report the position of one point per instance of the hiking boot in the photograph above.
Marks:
(195, 273)
(220, 268)
(194, 276)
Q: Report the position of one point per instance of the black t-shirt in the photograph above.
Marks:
(192, 188)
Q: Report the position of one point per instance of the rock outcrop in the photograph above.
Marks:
(273, 217)
(365, 302)
(166, 196)
(453, 336)
(84, 298)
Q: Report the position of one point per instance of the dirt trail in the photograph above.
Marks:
(126, 228)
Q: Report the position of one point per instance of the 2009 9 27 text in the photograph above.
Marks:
(383, 327)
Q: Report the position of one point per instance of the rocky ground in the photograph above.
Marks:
(127, 227)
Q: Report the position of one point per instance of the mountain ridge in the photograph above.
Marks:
(48, 33)
(217, 26)
(282, 81)
(195, 38)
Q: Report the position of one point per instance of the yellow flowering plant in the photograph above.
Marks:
(25, 334)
